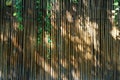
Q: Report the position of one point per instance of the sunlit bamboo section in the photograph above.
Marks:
(58, 40)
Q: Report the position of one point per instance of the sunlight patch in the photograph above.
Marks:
(0, 74)
(88, 56)
(75, 74)
(3, 37)
(69, 17)
(115, 33)
(49, 42)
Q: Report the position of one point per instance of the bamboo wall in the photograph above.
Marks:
(85, 43)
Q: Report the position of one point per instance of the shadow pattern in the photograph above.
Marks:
(82, 46)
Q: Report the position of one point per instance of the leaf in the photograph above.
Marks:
(116, 0)
(8, 2)
(116, 4)
(49, 41)
(40, 29)
(19, 19)
(49, 7)
(48, 50)
(75, 1)
(14, 14)
(48, 56)
(37, 1)
(116, 13)
(20, 27)
(117, 9)
(38, 39)
(36, 7)
(48, 14)
(113, 17)
(38, 42)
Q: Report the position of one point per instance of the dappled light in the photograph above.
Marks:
(59, 40)
(15, 43)
(64, 63)
(41, 62)
(15, 26)
(88, 56)
(47, 42)
(115, 33)
(3, 37)
(69, 17)
(0, 74)
(74, 8)
(56, 6)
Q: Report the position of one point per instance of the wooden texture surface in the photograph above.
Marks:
(85, 43)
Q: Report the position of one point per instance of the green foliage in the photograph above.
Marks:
(75, 1)
(8, 2)
(20, 27)
(115, 11)
(40, 22)
(18, 14)
(39, 36)
(48, 25)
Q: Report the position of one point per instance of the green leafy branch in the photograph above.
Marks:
(8, 2)
(115, 11)
(75, 1)
(48, 25)
(40, 22)
(18, 13)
